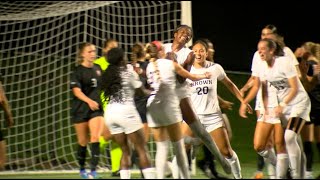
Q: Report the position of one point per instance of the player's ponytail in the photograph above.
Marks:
(152, 49)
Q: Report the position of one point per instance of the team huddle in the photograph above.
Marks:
(172, 89)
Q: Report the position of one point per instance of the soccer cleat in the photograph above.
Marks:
(93, 175)
(83, 174)
(258, 175)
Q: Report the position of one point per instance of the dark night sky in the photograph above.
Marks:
(234, 27)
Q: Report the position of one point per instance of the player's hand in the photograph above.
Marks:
(249, 109)
(93, 105)
(226, 104)
(172, 56)
(243, 110)
(208, 75)
(278, 111)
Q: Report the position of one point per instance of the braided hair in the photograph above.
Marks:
(152, 50)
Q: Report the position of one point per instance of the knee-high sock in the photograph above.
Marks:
(182, 161)
(282, 166)
(260, 162)
(270, 167)
(81, 154)
(303, 164)
(318, 147)
(161, 158)
(149, 173)
(307, 147)
(235, 166)
(269, 156)
(200, 132)
(175, 168)
(125, 174)
(294, 153)
(115, 154)
(95, 155)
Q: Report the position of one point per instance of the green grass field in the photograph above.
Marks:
(242, 143)
(248, 170)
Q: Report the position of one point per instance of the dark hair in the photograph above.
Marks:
(181, 27)
(202, 42)
(272, 27)
(273, 45)
(274, 30)
(111, 80)
(137, 52)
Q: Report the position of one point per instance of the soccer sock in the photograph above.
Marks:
(201, 132)
(271, 168)
(95, 155)
(175, 168)
(282, 166)
(269, 156)
(116, 154)
(294, 153)
(260, 163)
(192, 140)
(303, 164)
(180, 152)
(82, 150)
(149, 173)
(161, 158)
(125, 174)
(235, 166)
(318, 147)
(307, 146)
(209, 159)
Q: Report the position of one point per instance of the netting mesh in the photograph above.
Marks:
(38, 47)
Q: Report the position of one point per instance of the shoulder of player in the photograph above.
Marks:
(283, 60)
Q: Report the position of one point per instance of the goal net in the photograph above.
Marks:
(39, 40)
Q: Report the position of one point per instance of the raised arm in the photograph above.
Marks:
(185, 74)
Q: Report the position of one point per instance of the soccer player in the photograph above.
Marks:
(119, 85)
(207, 163)
(293, 102)
(9, 121)
(185, 57)
(204, 98)
(86, 110)
(309, 54)
(269, 31)
(164, 114)
(115, 152)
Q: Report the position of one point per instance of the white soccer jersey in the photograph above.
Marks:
(256, 69)
(130, 82)
(204, 92)
(163, 107)
(278, 76)
(182, 89)
(182, 54)
(123, 116)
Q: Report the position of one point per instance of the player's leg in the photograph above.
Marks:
(193, 121)
(96, 125)
(82, 132)
(137, 138)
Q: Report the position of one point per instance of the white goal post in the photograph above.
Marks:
(39, 40)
